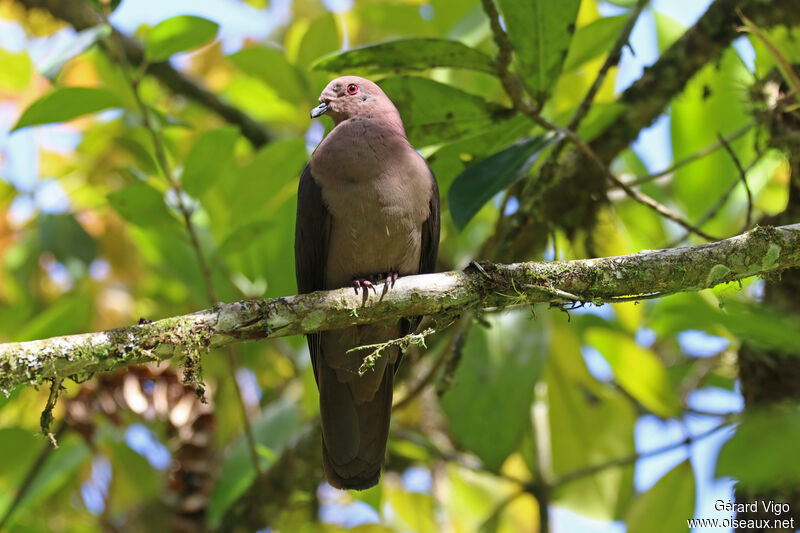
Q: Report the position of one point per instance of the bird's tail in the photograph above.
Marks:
(354, 431)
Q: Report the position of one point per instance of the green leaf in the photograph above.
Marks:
(66, 239)
(434, 113)
(481, 181)
(142, 205)
(177, 34)
(278, 424)
(638, 370)
(58, 469)
(20, 447)
(67, 315)
(708, 107)
(540, 32)
(665, 507)
(590, 424)
(321, 38)
(414, 511)
(16, 68)
(757, 454)
(408, 54)
(503, 363)
(592, 40)
(210, 154)
(65, 103)
(271, 66)
(82, 41)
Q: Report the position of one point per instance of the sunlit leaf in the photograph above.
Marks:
(757, 454)
(211, 152)
(540, 32)
(638, 370)
(321, 38)
(667, 505)
(504, 367)
(415, 511)
(481, 181)
(271, 66)
(65, 103)
(590, 424)
(592, 40)
(16, 68)
(178, 34)
(434, 112)
(408, 54)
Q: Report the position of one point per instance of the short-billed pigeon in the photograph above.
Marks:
(367, 210)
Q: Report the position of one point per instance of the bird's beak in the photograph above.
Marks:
(320, 110)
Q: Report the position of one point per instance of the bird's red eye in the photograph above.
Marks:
(352, 89)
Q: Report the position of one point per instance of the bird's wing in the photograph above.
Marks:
(311, 238)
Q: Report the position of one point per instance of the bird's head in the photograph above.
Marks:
(352, 97)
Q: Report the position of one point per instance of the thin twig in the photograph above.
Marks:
(512, 89)
(611, 60)
(743, 178)
(689, 158)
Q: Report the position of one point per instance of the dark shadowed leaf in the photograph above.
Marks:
(142, 205)
(210, 154)
(434, 112)
(177, 34)
(504, 367)
(408, 54)
(272, 432)
(665, 507)
(66, 239)
(758, 455)
(481, 181)
(65, 103)
(540, 32)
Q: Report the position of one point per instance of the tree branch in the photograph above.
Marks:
(81, 16)
(642, 275)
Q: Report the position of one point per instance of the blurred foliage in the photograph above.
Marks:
(91, 237)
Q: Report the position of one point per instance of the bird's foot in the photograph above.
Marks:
(388, 278)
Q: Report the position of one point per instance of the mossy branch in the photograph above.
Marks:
(485, 285)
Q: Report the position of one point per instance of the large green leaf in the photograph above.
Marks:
(434, 113)
(638, 370)
(69, 314)
(321, 38)
(408, 54)
(142, 205)
(758, 455)
(65, 103)
(540, 32)
(210, 154)
(271, 66)
(592, 40)
(20, 447)
(481, 181)
(665, 507)
(503, 363)
(590, 424)
(177, 34)
(272, 432)
(66, 239)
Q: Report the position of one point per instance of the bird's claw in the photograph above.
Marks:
(365, 283)
(388, 278)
